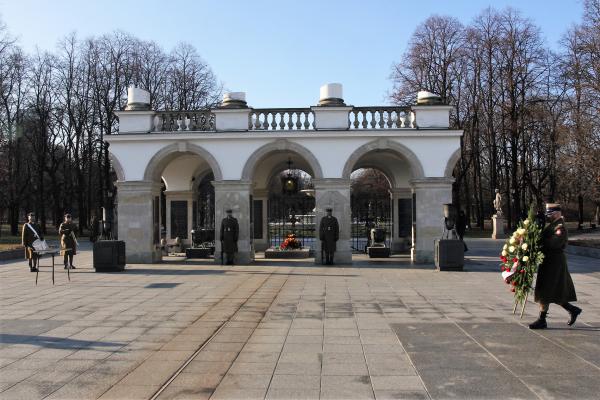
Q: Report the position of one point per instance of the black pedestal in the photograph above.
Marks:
(109, 256)
(378, 252)
(449, 255)
(199, 252)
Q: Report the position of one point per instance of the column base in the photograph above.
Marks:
(144, 257)
(241, 258)
(422, 256)
(339, 257)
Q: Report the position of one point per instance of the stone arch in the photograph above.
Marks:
(416, 168)
(117, 167)
(165, 155)
(389, 175)
(452, 163)
(281, 145)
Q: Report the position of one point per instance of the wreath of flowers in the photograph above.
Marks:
(291, 243)
(521, 256)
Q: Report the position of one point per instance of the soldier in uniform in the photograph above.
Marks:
(554, 283)
(329, 233)
(31, 232)
(230, 231)
(68, 242)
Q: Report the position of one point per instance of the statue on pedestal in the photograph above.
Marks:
(498, 203)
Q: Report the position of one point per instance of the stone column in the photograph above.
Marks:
(261, 244)
(334, 193)
(188, 197)
(401, 201)
(431, 195)
(136, 229)
(234, 195)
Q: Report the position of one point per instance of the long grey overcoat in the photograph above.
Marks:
(554, 283)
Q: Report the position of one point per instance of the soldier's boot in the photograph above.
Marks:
(540, 323)
(573, 310)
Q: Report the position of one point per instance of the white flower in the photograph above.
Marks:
(511, 249)
(521, 231)
(524, 246)
(526, 222)
(525, 258)
(505, 247)
(512, 240)
(504, 253)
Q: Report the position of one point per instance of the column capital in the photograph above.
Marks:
(331, 183)
(431, 182)
(402, 193)
(261, 192)
(232, 185)
(138, 186)
(180, 193)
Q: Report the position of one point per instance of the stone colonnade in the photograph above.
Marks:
(232, 148)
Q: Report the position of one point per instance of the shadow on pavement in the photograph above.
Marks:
(51, 342)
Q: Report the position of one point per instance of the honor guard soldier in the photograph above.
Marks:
(329, 233)
(230, 231)
(68, 241)
(31, 232)
(554, 283)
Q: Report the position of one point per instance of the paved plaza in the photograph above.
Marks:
(291, 330)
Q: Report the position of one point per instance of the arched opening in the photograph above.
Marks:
(184, 202)
(291, 210)
(371, 205)
(381, 201)
(283, 203)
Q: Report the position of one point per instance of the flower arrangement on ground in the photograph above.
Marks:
(521, 255)
(291, 243)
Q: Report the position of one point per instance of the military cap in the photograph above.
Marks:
(328, 209)
(229, 211)
(552, 207)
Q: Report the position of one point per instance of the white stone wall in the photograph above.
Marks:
(419, 160)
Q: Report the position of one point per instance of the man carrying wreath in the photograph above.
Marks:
(554, 283)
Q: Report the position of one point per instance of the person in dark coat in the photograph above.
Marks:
(230, 231)
(31, 232)
(554, 283)
(329, 233)
(68, 241)
(461, 227)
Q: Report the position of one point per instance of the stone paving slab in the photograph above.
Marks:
(291, 330)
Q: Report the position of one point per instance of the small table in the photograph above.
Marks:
(52, 252)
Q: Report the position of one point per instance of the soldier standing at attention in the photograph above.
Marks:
(68, 242)
(230, 231)
(31, 232)
(329, 233)
(554, 283)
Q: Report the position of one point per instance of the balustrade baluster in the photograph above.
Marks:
(364, 122)
(373, 119)
(390, 121)
(355, 123)
(298, 123)
(306, 121)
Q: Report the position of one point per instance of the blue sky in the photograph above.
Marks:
(279, 52)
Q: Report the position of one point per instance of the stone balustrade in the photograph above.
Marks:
(278, 119)
(178, 121)
(289, 119)
(393, 117)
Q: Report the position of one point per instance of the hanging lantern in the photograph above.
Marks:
(289, 182)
